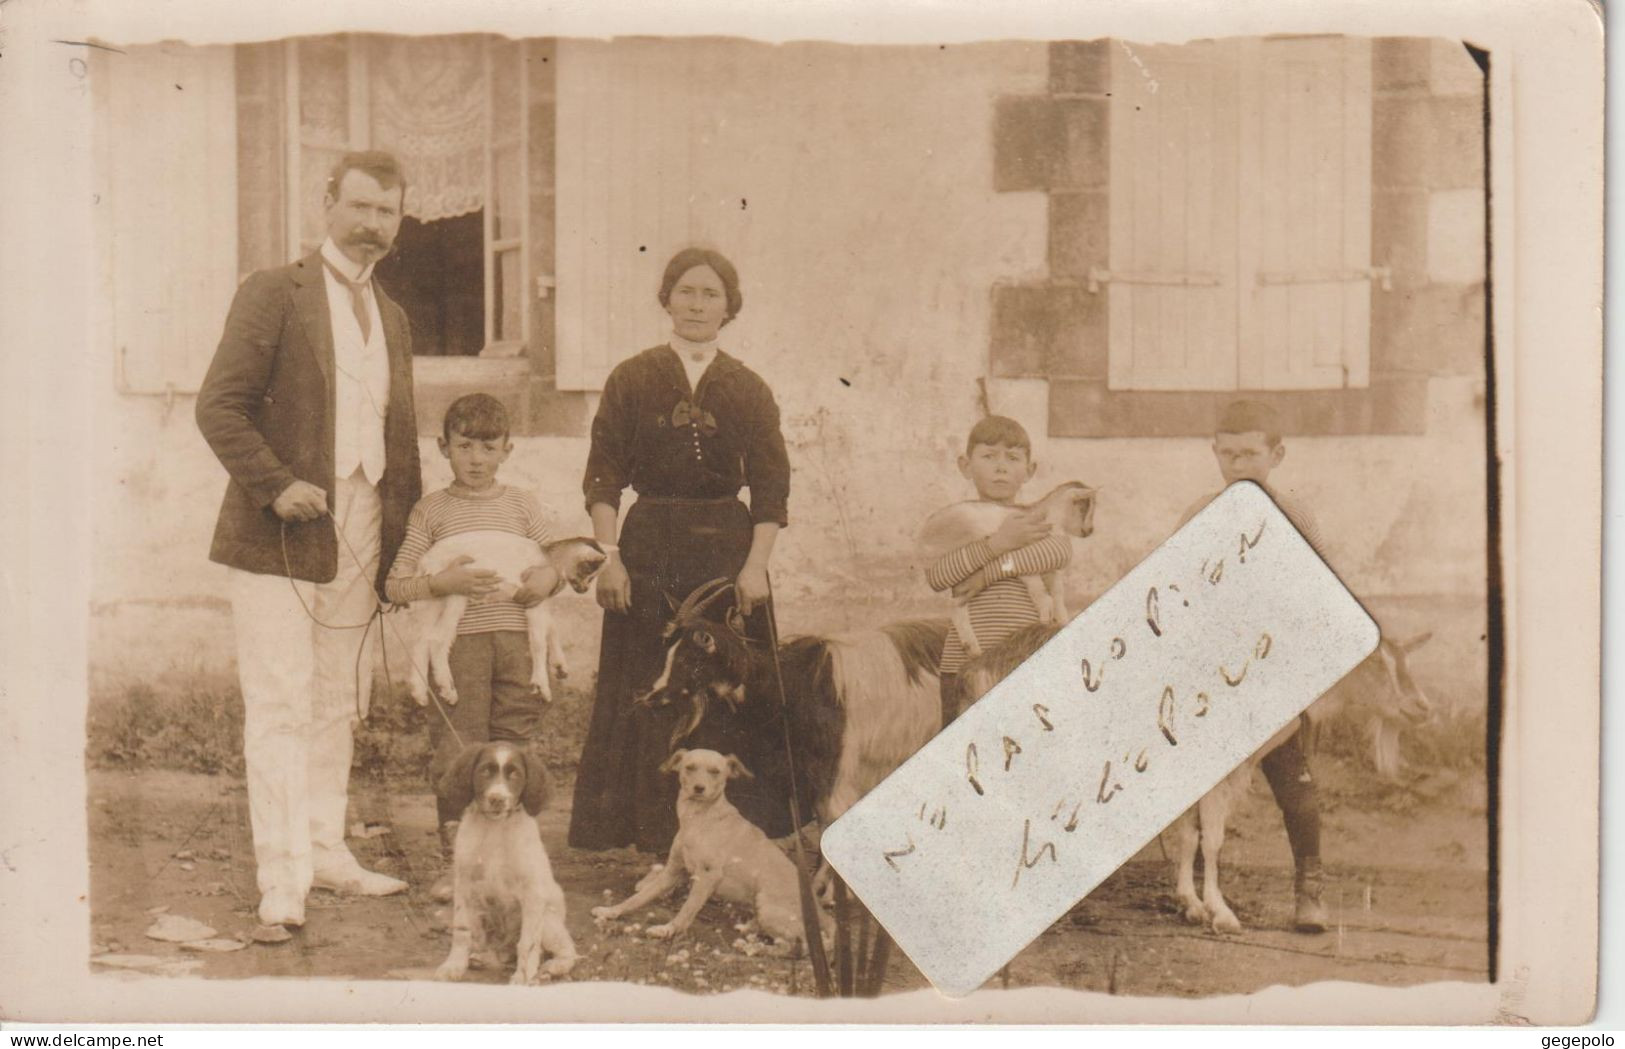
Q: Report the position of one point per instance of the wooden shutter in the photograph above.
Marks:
(1306, 213)
(1172, 270)
(1240, 215)
(623, 197)
(171, 178)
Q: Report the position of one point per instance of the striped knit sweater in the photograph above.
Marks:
(1004, 606)
(445, 513)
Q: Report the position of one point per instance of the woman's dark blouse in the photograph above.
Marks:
(652, 433)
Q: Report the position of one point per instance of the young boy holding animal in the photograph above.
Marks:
(1247, 446)
(988, 550)
(491, 659)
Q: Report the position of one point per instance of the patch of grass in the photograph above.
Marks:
(393, 743)
(564, 730)
(1451, 738)
(1439, 760)
(1454, 738)
(192, 721)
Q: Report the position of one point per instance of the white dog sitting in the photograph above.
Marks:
(723, 853)
(577, 561)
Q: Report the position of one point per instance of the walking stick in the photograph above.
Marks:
(877, 963)
(843, 942)
(809, 906)
(866, 925)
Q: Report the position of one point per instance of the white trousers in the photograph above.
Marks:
(303, 691)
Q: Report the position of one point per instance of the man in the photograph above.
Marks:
(308, 405)
(1247, 446)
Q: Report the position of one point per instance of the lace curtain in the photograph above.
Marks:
(428, 100)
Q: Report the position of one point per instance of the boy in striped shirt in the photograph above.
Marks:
(998, 461)
(490, 660)
(1247, 446)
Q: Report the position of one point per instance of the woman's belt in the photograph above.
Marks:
(678, 500)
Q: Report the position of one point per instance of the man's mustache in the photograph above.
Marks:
(369, 239)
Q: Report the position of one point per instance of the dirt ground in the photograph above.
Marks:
(1407, 884)
(1406, 890)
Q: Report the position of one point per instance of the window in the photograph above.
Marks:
(454, 109)
(1239, 215)
(436, 274)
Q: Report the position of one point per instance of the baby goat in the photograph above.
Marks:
(577, 562)
(1069, 509)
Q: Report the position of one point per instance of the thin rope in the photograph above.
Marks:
(212, 814)
(379, 615)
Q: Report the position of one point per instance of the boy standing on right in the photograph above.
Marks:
(1247, 444)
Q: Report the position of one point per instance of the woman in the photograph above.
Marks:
(685, 425)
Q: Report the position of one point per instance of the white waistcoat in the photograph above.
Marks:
(360, 376)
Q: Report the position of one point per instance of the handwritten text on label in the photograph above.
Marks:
(1082, 755)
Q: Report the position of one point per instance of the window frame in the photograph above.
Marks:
(493, 248)
(461, 368)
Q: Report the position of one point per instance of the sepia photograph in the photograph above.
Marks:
(544, 482)
(782, 304)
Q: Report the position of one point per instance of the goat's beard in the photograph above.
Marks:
(699, 701)
(1385, 754)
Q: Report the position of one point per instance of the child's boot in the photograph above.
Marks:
(441, 890)
(1310, 913)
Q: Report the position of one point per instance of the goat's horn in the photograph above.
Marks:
(725, 590)
(702, 596)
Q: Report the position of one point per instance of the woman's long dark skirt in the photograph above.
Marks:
(621, 796)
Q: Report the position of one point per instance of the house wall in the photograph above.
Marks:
(878, 226)
(1396, 470)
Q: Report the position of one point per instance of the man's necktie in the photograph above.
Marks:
(358, 303)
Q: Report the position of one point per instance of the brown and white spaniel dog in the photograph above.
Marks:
(505, 903)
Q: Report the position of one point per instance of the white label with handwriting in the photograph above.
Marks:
(1070, 765)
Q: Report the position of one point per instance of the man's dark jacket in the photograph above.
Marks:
(266, 408)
